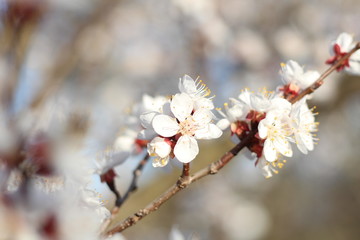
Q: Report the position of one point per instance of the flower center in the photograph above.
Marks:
(188, 127)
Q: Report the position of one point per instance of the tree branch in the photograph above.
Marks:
(214, 167)
(183, 182)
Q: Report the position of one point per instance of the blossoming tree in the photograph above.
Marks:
(36, 165)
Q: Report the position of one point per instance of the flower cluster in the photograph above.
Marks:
(176, 127)
(277, 121)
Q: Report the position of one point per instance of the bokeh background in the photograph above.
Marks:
(94, 60)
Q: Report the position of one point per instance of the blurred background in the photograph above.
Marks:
(92, 60)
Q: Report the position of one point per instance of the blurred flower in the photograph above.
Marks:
(339, 48)
(295, 78)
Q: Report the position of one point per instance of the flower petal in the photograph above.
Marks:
(181, 106)
(203, 103)
(159, 147)
(147, 118)
(186, 149)
(165, 125)
(160, 162)
(210, 132)
(283, 146)
(202, 116)
(262, 128)
(223, 124)
(308, 78)
(345, 41)
(187, 85)
(270, 152)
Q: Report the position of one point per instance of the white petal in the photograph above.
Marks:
(186, 149)
(160, 162)
(354, 66)
(299, 143)
(210, 132)
(283, 146)
(294, 68)
(181, 106)
(307, 141)
(245, 97)
(146, 119)
(202, 116)
(203, 103)
(165, 126)
(175, 234)
(159, 147)
(345, 41)
(270, 152)
(259, 103)
(308, 78)
(187, 85)
(236, 112)
(282, 104)
(263, 129)
(223, 124)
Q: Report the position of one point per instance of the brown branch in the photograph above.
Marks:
(132, 188)
(182, 183)
(186, 170)
(214, 167)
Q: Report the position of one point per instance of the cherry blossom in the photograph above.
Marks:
(198, 92)
(274, 128)
(295, 78)
(161, 149)
(185, 126)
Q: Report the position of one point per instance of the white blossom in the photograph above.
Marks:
(122, 148)
(198, 92)
(235, 111)
(295, 77)
(188, 125)
(161, 149)
(274, 128)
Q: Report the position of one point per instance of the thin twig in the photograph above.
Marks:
(186, 170)
(214, 167)
(112, 187)
(132, 188)
(133, 185)
(182, 183)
